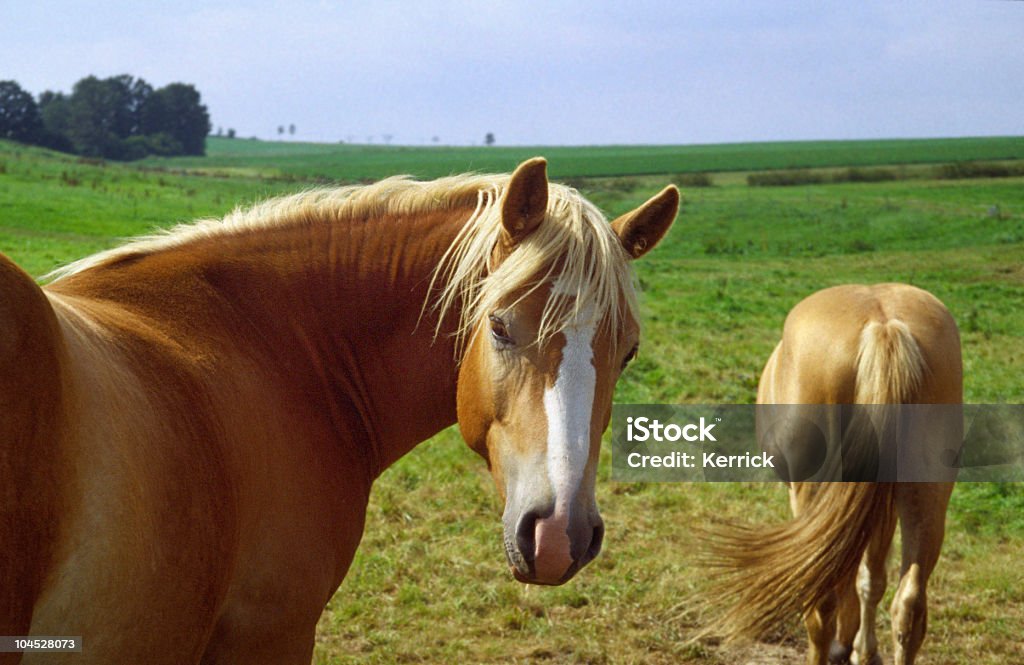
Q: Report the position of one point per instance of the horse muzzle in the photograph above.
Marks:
(549, 547)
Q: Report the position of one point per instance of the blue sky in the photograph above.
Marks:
(546, 73)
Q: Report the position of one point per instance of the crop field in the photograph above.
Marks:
(429, 583)
(361, 162)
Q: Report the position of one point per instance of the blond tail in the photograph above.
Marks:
(766, 576)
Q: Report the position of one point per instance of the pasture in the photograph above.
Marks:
(430, 583)
(362, 162)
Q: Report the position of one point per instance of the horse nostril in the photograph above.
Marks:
(595, 543)
(526, 535)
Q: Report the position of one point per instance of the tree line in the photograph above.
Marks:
(121, 118)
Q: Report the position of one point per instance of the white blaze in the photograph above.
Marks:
(568, 405)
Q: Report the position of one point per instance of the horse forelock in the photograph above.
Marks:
(574, 248)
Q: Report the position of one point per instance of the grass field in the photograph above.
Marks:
(360, 162)
(429, 583)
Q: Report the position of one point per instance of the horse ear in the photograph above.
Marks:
(526, 199)
(640, 230)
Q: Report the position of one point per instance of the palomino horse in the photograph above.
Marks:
(882, 344)
(192, 422)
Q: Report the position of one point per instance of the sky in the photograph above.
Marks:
(548, 73)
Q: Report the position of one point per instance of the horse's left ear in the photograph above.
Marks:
(526, 199)
(640, 230)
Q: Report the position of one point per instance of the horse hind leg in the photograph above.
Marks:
(821, 626)
(870, 586)
(922, 514)
(856, 640)
(847, 623)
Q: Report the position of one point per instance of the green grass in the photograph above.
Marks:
(359, 162)
(429, 583)
(54, 207)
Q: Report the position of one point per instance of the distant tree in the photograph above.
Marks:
(119, 91)
(120, 117)
(291, 129)
(96, 116)
(387, 138)
(435, 139)
(177, 111)
(489, 139)
(55, 111)
(140, 94)
(103, 114)
(19, 114)
(231, 133)
(280, 130)
(129, 97)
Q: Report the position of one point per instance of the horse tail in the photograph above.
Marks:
(890, 368)
(768, 575)
(30, 404)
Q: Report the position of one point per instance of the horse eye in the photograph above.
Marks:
(499, 331)
(629, 356)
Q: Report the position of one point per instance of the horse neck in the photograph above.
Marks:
(328, 311)
(369, 333)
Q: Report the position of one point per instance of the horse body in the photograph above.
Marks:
(198, 421)
(237, 465)
(882, 344)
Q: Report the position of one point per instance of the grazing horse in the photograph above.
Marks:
(882, 344)
(192, 422)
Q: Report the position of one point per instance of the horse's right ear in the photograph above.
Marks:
(526, 200)
(640, 230)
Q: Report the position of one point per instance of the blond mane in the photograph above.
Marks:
(574, 246)
(398, 195)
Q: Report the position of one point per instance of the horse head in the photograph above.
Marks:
(549, 333)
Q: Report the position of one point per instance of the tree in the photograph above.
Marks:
(489, 139)
(128, 97)
(124, 118)
(139, 95)
(55, 111)
(94, 117)
(120, 117)
(176, 110)
(19, 114)
(291, 129)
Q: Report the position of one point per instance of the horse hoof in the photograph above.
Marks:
(874, 659)
(838, 654)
